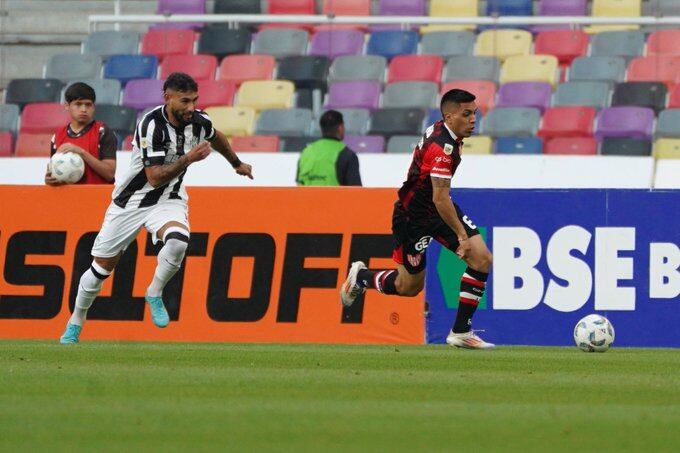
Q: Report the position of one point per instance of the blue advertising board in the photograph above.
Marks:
(562, 254)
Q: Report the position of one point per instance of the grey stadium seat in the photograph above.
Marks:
(294, 144)
(397, 121)
(107, 90)
(121, 119)
(629, 43)
(280, 42)
(305, 71)
(403, 144)
(668, 124)
(411, 94)
(237, 7)
(358, 67)
(73, 67)
(26, 91)
(106, 43)
(663, 7)
(448, 43)
(223, 41)
(9, 116)
(285, 122)
(511, 122)
(472, 68)
(592, 94)
(614, 146)
(356, 122)
(604, 69)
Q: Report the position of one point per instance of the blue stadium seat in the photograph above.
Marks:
(518, 145)
(129, 67)
(509, 7)
(391, 43)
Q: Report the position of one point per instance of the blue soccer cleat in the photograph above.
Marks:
(159, 314)
(71, 334)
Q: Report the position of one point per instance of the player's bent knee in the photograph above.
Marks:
(176, 242)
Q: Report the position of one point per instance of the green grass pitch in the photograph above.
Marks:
(197, 397)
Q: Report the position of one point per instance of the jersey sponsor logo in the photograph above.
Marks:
(446, 171)
(469, 222)
(444, 159)
(448, 149)
(422, 244)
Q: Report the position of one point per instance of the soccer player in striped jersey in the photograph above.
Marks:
(167, 141)
(425, 212)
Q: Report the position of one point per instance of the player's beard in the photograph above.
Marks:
(179, 116)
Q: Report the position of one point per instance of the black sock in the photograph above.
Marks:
(472, 286)
(383, 281)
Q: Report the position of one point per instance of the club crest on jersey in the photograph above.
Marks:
(143, 142)
(414, 260)
(448, 149)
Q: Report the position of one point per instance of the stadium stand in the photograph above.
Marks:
(6, 144)
(518, 145)
(141, 94)
(447, 43)
(293, 122)
(216, 93)
(233, 120)
(365, 143)
(237, 7)
(121, 119)
(67, 67)
(359, 94)
(222, 42)
(360, 67)
(110, 42)
(9, 118)
(200, 67)
(266, 94)
(43, 118)
(33, 145)
(240, 68)
(255, 143)
(603, 69)
(130, 67)
(402, 143)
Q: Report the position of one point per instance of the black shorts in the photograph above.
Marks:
(411, 238)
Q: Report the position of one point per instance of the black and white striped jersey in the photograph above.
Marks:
(157, 142)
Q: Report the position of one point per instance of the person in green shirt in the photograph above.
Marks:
(327, 161)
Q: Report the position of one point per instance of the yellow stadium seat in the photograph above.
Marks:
(503, 43)
(667, 148)
(451, 8)
(615, 8)
(233, 121)
(530, 68)
(477, 144)
(266, 94)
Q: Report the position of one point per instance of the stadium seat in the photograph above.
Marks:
(674, 97)
(530, 68)
(180, 7)
(356, 121)
(583, 146)
(284, 122)
(240, 68)
(571, 121)
(222, 42)
(614, 8)
(477, 144)
(447, 43)
(107, 90)
(518, 145)
(665, 7)
(141, 94)
(355, 94)
(255, 143)
(232, 120)
(509, 8)
(484, 90)
(43, 118)
(654, 69)
(162, 43)
(433, 116)
(365, 143)
(563, 8)
(410, 94)
(641, 94)
(401, 7)
(33, 145)
(6, 142)
(9, 117)
(625, 147)
(121, 119)
(291, 7)
(281, 42)
(402, 144)
(586, 93)
(336, 43)
(563, 44)
(667, 148)
(524, 94)
(357, 67)
(390, 43)
(664, 42)
(450, 8)
(213, 93)
(25, 91)
(511, 122)
(472, 68)
(305, 98)
(294, 144)
(67, 67)
(110, 42)
(126, 144)
(503, 43)
(237, 7)
(423, 68)
(305, 72)
(200, 67)
(602, 69)
(266, 94)
(347, 7)
(625, 122)
(668, 124)
(130, 67)
(627, 44)
(397, 121)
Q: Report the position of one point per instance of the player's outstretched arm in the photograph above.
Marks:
(162, 174)
(442, 201)
(220, 143)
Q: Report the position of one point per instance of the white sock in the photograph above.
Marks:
(169, 261)
(88, 289)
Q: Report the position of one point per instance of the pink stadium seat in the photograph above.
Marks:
(485, 90)
(5, 144)
(664, 42)
(564, 44)
(33, 145)
(291, 7)
(127, 142)
(654, 69)
(255, 143)
(239, 68)
(200, 67)
(674, 97)
(347, 7)
(425, 68)
(572, 121)
(43, 118)
(585, 146)
(168, 42)
(216, 93)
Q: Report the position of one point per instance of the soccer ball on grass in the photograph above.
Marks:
(594, 333)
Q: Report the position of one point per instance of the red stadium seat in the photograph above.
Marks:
(200, 67)
(168, 42)
(5, 144)
(664, 42)
(583, 146)
(33, 145)
(485, 91)
(347, 7)
(127, 142)
(674, 97)
(259, 143)
(572, 121)
(216, 93)
(239, 68)
(654, 69)
(43, 118)
(564, 44)
(425, 68)
(291, 7)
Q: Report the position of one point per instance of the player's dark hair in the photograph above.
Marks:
(456, 96)
(180, 81)
(79, 91)
(330, 122)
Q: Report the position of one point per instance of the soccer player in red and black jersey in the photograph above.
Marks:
(424, 212)
(90, 139)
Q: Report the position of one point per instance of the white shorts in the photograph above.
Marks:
(121, 226)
